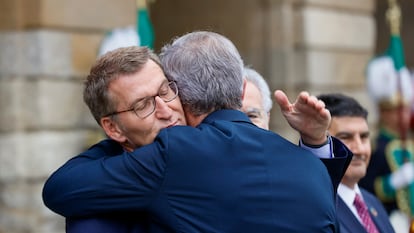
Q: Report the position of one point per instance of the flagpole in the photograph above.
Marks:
(393, 15)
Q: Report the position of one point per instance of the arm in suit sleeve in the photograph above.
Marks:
(336, 157)
(88, 185)
(91, 184)
(338, 164)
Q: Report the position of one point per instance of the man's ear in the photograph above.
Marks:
(244, 88)
(112, 129)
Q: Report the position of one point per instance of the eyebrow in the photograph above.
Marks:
(347, 134)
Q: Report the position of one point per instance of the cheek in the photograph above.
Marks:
(368, 151)
(257, 121)
(142, 132)
(175, 105)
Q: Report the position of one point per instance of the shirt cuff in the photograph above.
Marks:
(324, 151)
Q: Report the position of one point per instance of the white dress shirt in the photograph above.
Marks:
(348, 196)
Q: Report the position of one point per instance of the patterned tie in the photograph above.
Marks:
(364, 215)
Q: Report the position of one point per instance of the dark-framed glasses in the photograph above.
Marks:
(146, 106)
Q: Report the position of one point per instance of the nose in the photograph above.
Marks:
(162, 110)
(358, 147)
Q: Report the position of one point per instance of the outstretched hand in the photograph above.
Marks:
(307, 115)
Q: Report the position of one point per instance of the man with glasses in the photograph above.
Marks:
(131, 99)
(224, 174)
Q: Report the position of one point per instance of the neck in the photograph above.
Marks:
(349, 183)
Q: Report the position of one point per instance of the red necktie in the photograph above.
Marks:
(364, 215)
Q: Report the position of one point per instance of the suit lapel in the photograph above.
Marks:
(347, 219)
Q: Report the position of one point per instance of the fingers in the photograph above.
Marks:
(317, 105)
(282, 100)
(311, 100)
(304, 103)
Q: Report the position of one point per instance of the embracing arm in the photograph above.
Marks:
(91, 184)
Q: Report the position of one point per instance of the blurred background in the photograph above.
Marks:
(48, 46)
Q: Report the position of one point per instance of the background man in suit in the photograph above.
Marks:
(116, 82)
(223, 174)
(349, 124)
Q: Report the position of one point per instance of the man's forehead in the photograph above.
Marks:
(350, 123)
(141, 84)
(349, 118)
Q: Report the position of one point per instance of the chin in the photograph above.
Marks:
(362, 174)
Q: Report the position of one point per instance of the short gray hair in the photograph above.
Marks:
(208, 70)
(254, 77)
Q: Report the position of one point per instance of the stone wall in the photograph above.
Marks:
(47, 47)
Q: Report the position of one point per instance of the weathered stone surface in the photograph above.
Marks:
(35, 155)
(92, 14)
(9, 103)
(313, 67)
(97, 14)
(25, 208)
(11, 14)
(84, 51)
(356, 5)
(336, 68)
(46, 103)
(35, 53)
(53, 104)
(47, 53)
(328, 29)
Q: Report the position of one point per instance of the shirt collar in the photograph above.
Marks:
(226, 115)
(347, 194)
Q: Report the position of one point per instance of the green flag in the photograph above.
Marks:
(396, 52)
(388, 79)
(390, 84)
(144, 26)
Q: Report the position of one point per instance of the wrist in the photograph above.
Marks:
(316, 143)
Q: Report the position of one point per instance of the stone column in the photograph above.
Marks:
(47, 48)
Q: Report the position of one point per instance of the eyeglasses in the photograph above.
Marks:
(146, 106)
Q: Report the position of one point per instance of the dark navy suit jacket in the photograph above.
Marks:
(121, 223)
(131, 222)
(350, 224)
(226, 175)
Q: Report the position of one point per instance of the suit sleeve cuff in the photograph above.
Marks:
(324, 151)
